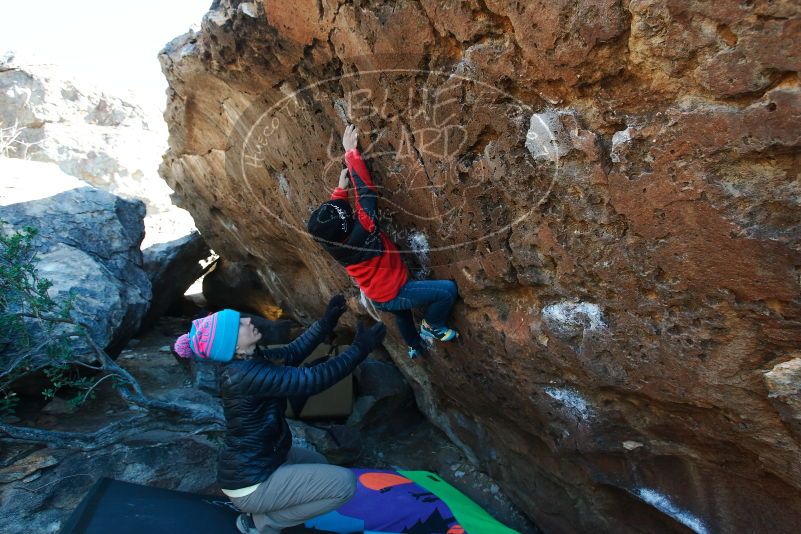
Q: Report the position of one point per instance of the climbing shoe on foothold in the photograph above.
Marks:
(245, 525)
(438, 333)
(413, 352)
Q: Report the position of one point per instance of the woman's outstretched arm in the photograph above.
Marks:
(301, 347)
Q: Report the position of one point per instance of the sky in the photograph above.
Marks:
(110, 44)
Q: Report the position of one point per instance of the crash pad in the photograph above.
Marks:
(125, 508)
(386, 502)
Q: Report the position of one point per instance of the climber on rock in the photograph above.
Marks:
(373, 261)
(275, 484)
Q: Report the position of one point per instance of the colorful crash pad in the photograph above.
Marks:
(386, 502)
(407, 502)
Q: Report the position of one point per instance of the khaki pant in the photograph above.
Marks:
(305, 486)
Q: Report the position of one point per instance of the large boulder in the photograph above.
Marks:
(103, 139)
(614, 187)
(88, 244)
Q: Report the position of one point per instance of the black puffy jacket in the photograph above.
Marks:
(254, 393)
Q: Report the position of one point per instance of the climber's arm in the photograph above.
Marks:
(366, 195)
(298, 350)
(341, 191)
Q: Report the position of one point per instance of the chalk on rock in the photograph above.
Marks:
(568, 319)
(666, 506)
(547, 138)
(418, 243)
(619, 139)
(571, 400)
(249, 9)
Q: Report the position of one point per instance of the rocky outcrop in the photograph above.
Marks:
(171, 268)
(87, 245)
(100, 138)
(612, 186)
(40, 488)
(40, 485)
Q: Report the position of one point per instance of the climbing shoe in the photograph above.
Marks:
(413, 353)
(439, 333)
(245, 525)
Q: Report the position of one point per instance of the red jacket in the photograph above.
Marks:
(368, 255)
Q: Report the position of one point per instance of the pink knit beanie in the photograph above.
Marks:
(213, 337)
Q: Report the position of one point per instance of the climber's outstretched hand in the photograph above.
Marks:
(350, 138)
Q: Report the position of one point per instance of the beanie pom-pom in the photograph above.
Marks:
(182, 347)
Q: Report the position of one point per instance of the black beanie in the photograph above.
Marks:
(332, 221)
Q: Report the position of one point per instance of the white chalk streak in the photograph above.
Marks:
(618, 139)
(418, 242)
(571, 399)
(575, 314)
(664, 505)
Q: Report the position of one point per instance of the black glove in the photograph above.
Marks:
(369, 339)
(336, 307)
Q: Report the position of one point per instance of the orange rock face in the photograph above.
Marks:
(615, 189)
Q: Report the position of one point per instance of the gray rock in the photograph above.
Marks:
(570, 318)
(381, 390)
(59, 406)
(100, 298)
(27, 466)
(171, 268)
(174, 460)
(361, 410)
(340, 444)
(620, 139)
(205, 375)
(379, 379)
(88, 243)
(107, 141)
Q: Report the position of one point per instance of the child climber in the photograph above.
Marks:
(373, 261)
(276, 485)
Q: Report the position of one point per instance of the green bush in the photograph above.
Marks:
(35, 333)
